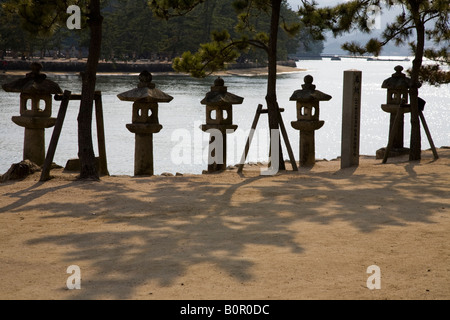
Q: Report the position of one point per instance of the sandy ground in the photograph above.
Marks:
(303, 235)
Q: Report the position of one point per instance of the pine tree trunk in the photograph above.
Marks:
(415, 143)
(271, 98)
(85, 145)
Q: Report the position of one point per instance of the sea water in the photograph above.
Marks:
(182, 147)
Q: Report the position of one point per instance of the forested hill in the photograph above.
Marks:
(131, 31)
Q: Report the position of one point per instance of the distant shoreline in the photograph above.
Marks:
(75, 66)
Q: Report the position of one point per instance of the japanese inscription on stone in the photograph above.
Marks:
(351, 118)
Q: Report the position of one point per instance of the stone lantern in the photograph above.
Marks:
(219, 116)
(397, 86)
(145, 121)
(35, 110)
(308, 99)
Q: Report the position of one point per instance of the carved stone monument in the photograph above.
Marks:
(219, 118)
(351, 118)
(35, 110)
(145, 121)
(308, 99)
(397, 99)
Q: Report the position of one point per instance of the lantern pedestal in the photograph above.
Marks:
(398, 148)
(224, 130)
(143, 151)
(34, 141)
(307, 140)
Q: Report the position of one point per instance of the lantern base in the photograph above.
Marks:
(34, 122)
(307, 125)
(225, 128)
(144, 128)
(34, 140)
(395, 152)
(393, 108)
(74, 165)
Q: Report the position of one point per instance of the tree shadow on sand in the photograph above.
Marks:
(175, 223)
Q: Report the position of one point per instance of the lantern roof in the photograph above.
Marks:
(308, 93)
(219, 95)
(398, 80)
(33, 83)
(145, 91)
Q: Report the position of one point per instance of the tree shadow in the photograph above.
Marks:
(174, 227)
(29, 194)
(158, 228)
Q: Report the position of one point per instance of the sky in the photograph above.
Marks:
(332, 45)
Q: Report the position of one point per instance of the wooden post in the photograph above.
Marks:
(250, 137)
(103, 165)
(288, 144)
(427, 131)
(45, 175)
(282, 128)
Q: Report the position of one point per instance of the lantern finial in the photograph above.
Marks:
(219, 82)
(145, 80)
(308, 83)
